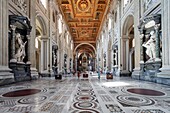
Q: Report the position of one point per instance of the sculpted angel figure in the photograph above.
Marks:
(150, 46)
(20, 54)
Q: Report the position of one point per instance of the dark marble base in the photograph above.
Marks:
(155, 79)
(165, 81)
(125, 73)
(149, 73)
(45, 74)
(58, 76)
(6, 81)
(21, 71)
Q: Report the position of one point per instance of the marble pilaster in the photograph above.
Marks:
(32, 38)
(76, 59)
(141, 49)
(28, 49)
(137, 14)
(51, 34)
(125, 52)
(157, 42)
(119, 37)
(165, 70)
(5, 75)
(12, 54)
(43, 58)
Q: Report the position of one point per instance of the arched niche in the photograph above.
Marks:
(127, 45)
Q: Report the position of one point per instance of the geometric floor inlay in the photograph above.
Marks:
(148, 92)
(85, 100)
(114, 108)
(149, 111)
(73, 95)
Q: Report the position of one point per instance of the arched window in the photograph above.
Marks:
(133, 43)
(102, 38)
(60, 25)
(71, 45)
(125, 2)
(36, 42)
(110, 23)
(67, 39)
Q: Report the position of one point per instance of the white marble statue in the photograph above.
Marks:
(20, 55)
(150, 46)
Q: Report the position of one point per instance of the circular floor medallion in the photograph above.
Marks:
(85, 105)
(147, 92)
(86, 90)
(84, 93)
(132, 100)
(86, 111)
(31, 100)
(24, 92)
(84, 98)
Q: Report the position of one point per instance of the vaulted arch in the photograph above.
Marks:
(84, 44)
(41, 23)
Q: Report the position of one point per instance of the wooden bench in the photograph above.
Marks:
(58, 76)
(109, 76)
(85, 75)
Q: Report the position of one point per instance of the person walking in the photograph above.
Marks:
(78, 74)
(99, 74)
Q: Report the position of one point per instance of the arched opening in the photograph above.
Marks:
(128, 45)
(85, 57)
(84, 61)
(38, 49)
(40, 45)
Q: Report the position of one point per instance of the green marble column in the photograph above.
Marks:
(157, 42)
(12, 53)
(141, 47)
(28, 49)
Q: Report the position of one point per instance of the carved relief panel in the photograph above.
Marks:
(22, 5)
(148, 3)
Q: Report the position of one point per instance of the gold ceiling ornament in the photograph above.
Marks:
(83, 5)
(84, 33)
(84, 18)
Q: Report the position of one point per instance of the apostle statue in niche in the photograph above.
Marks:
(54, 58)
(150, 46)
(20, 54)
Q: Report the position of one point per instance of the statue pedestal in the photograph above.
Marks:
(55, 70)
(21, 71)
(34, 73)
(149, 71)
(58, 76)
(115, 70)
(164, 75)
(136, 73)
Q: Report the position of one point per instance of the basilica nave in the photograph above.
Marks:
(84, 56)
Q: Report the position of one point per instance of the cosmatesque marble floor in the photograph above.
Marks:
(85, 95)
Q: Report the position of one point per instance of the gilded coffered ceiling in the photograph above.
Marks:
(84, 18)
